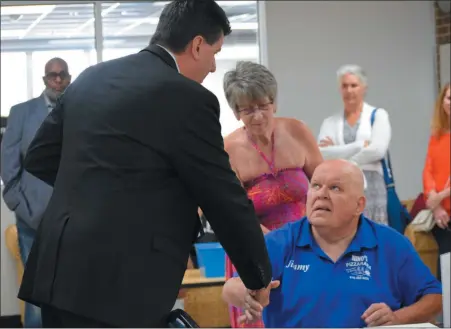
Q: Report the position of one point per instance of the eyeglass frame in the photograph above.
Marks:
(254, 109)
(63, 75)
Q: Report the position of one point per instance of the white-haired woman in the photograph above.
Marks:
(349, 135)
(274, 158)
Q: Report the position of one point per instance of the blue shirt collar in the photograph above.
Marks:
(364, 238)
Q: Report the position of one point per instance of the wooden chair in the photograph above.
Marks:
(12, 243)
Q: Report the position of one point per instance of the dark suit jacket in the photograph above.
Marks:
(132, 149)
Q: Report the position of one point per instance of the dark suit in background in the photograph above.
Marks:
(132, 149)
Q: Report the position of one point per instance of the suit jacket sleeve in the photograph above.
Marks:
(203, 165)
(44, 154)
(11, 157)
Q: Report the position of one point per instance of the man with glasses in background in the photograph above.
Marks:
(24, 194)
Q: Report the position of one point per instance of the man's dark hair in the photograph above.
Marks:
(182, 20)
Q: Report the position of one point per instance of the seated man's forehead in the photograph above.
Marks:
(331, 173)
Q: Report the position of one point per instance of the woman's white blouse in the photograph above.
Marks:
(379, 136)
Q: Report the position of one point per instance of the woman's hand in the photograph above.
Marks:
(445, 193)
(441, 217)
(433, 200)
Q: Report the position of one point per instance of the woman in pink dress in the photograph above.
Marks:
(274, 158)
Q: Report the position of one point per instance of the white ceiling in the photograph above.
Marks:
(124, 24)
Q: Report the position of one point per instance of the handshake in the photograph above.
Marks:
(254, 301)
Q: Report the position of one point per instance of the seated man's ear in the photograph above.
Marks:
(361, 204)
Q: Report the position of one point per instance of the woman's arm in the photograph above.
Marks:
(428, 178)
(304, 136)
(345, 151)
(380, 140)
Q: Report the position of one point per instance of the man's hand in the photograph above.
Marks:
(366, 143)
(262, 295)
(379, 314)
(255, 301)
(441, 217)
(326, 142)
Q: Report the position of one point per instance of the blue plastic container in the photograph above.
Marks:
(211, 259)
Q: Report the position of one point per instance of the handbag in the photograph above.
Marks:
(424, 221)
(398, 216)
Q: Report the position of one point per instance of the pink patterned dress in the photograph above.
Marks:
(279, 197)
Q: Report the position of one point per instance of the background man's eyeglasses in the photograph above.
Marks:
(54, 75)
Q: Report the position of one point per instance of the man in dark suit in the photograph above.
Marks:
(132, 149)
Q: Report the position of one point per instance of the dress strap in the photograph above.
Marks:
(270, 162)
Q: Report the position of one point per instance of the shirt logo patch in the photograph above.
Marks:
(297, 267)
(358, 268)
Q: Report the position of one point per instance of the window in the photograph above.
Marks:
(127, 27)
(110, 53)
(46, 31)
(14, 80)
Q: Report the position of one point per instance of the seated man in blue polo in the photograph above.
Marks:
(337, 268)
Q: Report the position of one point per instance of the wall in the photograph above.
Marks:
(443, 36)
(393, 40)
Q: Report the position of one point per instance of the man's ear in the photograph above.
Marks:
(361, 204)
(196, 46)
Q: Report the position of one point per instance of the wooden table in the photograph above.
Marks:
(193, 279)
(202, 300)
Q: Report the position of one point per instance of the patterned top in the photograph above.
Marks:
(279, 196)
(279, 199)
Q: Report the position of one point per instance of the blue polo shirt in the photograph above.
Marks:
(379, 266)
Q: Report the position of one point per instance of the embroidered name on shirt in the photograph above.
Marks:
(358, 268)
(297, 267)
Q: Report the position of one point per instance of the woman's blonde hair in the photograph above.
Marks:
(440, 120)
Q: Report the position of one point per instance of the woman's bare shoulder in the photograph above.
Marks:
(234, 140)
(296, 128)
